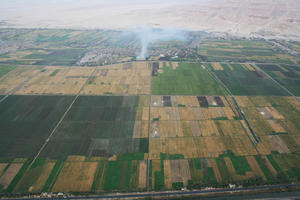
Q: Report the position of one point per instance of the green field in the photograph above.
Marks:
(26, 122)
(103, 123)
(286, 75)
(186, 79)
(244, 82)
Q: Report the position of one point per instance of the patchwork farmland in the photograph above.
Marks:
(144, 126)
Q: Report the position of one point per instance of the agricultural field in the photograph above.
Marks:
(246, 79)
(26, 122)
(126, 79)
(146, 126)
(97, 126)
(210, 127)
(15, 78)
(64, 47)
(184, 79)
(238, 50)
(5, 69)
(286, 75)
(119, 79)
(275, 120)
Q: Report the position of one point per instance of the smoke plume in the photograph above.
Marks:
(149, 35)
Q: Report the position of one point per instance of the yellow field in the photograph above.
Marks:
(188, 101)
(210, 147)
(208, 128)
(255, 167)
(75, 158)
(276, 126)
(142, 174)
(243, 101)
(232, 171)
(249, 67)
(217, 66)
(2, 167)
(272, 143)
(129, 78)
(15, 79)
(217, 173)
(173, 146)
(164, 113)
(39, 184)
(140, 129)
(120, 79)
(170, 129)
(230, 127)
(155, 168)
(9, 174)
(180, 171)
(58, 80)
(76, 176)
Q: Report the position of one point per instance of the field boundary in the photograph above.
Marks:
(254, 137)
(149, 130)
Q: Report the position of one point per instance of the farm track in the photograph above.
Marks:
(149, 132)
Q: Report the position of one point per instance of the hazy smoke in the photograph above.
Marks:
(149, 35)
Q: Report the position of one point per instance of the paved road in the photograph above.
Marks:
(176, 193)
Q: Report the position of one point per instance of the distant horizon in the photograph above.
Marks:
(267, 19)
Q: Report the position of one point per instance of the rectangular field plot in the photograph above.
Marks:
(240, 79)
(26, 122)
(99, 126)
(186, 79)
(121, 175)
(14, 79)
(286, 75)
(122, 79)
(76, 176)
(57, 80)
